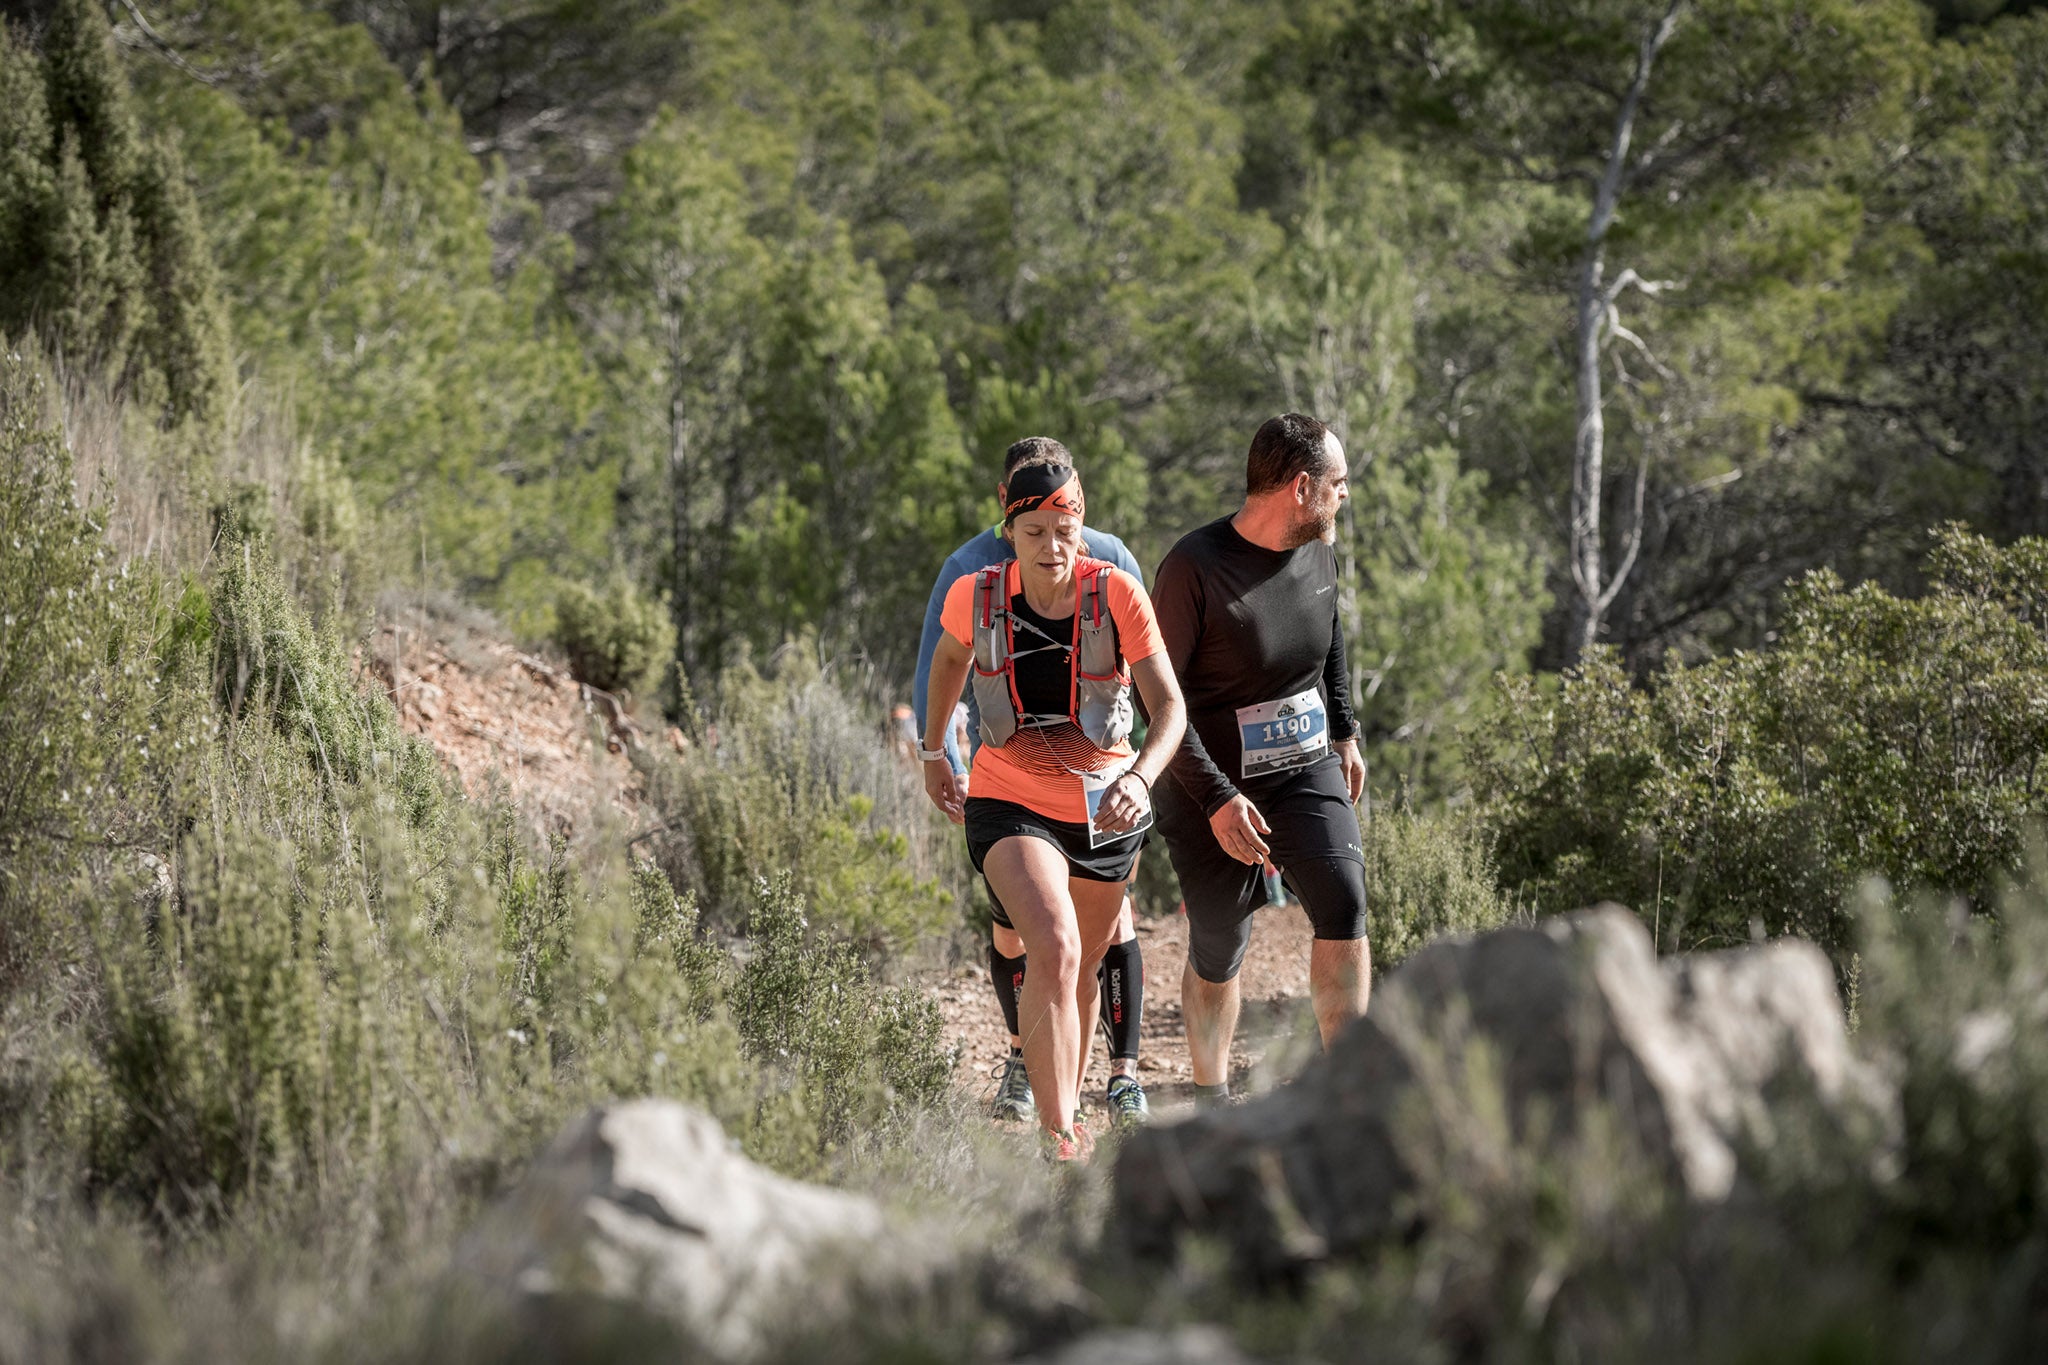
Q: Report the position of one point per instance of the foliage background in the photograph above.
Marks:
(685, 337)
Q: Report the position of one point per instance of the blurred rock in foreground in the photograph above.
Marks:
(1196, 1345)
(648, 1202)
(1545, 1036)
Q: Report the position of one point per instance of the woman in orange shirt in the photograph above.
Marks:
(1052, 644)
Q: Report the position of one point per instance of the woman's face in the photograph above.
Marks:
(1048, 541)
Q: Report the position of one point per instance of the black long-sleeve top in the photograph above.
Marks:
(1245, 625)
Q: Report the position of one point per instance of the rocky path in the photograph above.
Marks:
(502, 719)
(1275, 1006)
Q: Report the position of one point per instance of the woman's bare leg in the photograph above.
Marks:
(1030, 877)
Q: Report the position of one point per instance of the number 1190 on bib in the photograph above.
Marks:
(1278, 735)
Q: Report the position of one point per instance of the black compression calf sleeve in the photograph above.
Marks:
(1120, 993)
(1006, 974)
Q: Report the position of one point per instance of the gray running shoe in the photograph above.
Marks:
(1127, 1107)
(1013, 1090)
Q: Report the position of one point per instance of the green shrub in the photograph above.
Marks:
(1427, 876)
(1955, 1003)
(1878, 735)
(792, 774)
(96, 719)
(271, 660)
(308, 1022)
(862, 1053)
(256, 1046)
(618, 638)
(665, 927)
(359, 985)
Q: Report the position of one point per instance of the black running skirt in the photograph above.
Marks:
(990, 821)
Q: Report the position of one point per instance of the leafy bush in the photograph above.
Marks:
(792, 773)
(1427, 876)
(860, 1052)
(356, 989)
(1879, 735)
(618, 638)
(313, 1019)
(255, 1047)
(1954, 1002)
(1448, 602)
(271, 660)
(96, 713)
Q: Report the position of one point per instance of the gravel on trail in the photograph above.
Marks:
(1275, 1012)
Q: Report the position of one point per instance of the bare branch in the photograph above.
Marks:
(1529, 171)
(162, 45)
(1649, 162)
(1629, 279)
(1635, 541)
(1615, 328)
(1595, 314)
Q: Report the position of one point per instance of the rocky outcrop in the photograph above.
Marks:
(648, 1202)
(1187, 1345)
(505, 721)
(1692, 1063)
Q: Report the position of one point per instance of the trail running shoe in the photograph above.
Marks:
(1013, 1090)
(1073, 1147)
(1127, 1106)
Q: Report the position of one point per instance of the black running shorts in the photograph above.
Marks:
(1315, 843)
(990, 821)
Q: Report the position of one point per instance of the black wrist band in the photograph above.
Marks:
(1133, 772)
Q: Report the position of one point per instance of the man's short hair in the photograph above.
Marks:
(1036, 450)
(1285, 446)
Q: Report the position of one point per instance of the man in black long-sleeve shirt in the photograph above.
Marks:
(1270, 765)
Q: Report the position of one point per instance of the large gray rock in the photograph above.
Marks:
(1692, 1063)
(648, 1202)
(1186, 1345)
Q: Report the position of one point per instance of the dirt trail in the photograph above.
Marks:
(1275, 996)
(500, 717)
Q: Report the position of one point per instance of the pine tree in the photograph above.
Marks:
(28, 185)
(186, 334)
(1674, 146)
(104, 257)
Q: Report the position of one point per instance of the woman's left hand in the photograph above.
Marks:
(1124, 805)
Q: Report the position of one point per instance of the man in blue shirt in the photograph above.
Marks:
(1122, 978)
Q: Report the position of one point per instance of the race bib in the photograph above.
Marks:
(1093, 785)
(1277, 735)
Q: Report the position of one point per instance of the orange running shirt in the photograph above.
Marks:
(1037, 767)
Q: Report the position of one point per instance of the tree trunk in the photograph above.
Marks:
(1594, 589)
(1588, 462)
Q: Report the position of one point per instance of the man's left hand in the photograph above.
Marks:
(1353, 764)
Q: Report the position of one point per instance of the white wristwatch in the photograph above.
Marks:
(925, 755)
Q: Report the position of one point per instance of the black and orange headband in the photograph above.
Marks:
(1042, 486)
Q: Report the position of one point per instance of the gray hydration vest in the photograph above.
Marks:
(1099, 698)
